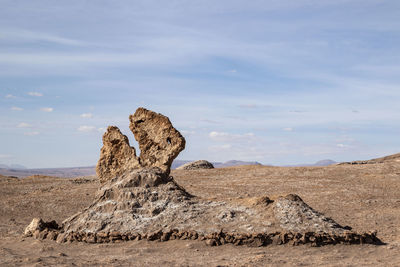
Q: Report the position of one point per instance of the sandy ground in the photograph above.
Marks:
(366, 197)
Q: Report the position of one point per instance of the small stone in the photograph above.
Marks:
(115, 234)
(61, 238)
(36, 234)
(52, 235)
(211, 242)
(36, 224)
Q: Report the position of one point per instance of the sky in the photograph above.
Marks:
(278, 82)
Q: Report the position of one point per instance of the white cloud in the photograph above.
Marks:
(47, 109)
(86, 128)
(24, 125)
(255, 106)
(5, 156)
(187, 133)
(31, 133)
(86, 115)
(30, 36)
(101, 130)
(248, 106)
(288, 129)
(17, 108)
(221, 147)
(222, 136)
(210, 121)
(214, 135)
(232, 71)
(342, 145)
(9, 96)
(224, 146)
(35, 94)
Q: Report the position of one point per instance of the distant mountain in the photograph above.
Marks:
(91, 170)
(229, 163)
(12, 166)
(177, 163)
(59, 172)
(17, 166)
(321, 163)
(325, 162)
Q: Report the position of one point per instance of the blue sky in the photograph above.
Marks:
(279, 82)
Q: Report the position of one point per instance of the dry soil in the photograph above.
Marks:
(366, 197)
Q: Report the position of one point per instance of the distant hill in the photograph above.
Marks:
(177, 163)
(91, 170)
(12, 166)
(229, 163)
(59, 172)
(321, 163)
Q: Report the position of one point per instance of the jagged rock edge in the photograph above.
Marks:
(214, 239)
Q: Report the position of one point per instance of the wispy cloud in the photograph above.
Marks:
(219, 148)
(255, 106)
(24, 125)
(5, 156)
(210, 121)
(24, 36)
(188, 132)
(35, 94)
(223, 136)
(86, 115)
(46, 109)
(9, 96)
(343, 145)
(86, 129)
(288, 129)
(32, 133)
(101, 130)
(17, 108)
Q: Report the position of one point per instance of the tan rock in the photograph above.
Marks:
(159, 142)
(36, 224)
(116, 155)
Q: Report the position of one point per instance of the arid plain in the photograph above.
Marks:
(364, 196)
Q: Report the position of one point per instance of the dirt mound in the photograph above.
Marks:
(146, 203)
(195, 165)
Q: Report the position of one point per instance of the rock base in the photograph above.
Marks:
(215, 239)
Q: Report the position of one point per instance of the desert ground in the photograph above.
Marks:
(365, 197)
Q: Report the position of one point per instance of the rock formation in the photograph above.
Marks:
(159, 143)
(116, 155)
(196, 165)
(138, 199)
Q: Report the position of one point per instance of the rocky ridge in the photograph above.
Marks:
(390, 158)
(138, 199)
(195, 165)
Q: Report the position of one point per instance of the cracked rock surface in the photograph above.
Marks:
(159, 143)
